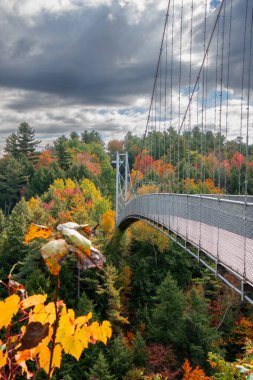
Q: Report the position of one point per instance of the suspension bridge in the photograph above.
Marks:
(193, 177)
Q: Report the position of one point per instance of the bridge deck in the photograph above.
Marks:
(223, 228)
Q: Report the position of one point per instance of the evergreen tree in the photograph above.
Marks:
(2, 221)
(166, 325)
(85, 305)
(61, 151)
(43, 178)
(120, 357)
(139, 350)
(12, 244)
(91, 137)
(100, 370)
(26, 141)
(200, 336)
(74, 135)
(11, 146)
(112, 293)
(12, 181)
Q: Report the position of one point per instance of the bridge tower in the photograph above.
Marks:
(123, 181)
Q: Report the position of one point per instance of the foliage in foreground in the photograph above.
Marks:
(35, 333)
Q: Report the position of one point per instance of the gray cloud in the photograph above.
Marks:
(81, 64)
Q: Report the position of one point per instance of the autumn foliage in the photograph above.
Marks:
(193, 374)
(46, 330)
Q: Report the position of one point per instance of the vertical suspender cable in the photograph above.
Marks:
(179, 106)
(247, 147)
(155, 81)
(227, 103)
(242, 94)
(188, 176)
(215, 105)
(220, 135)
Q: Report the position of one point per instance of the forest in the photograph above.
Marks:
(100, 304)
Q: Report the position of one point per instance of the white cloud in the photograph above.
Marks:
(54, 117)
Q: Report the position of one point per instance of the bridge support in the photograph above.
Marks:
(122, 181)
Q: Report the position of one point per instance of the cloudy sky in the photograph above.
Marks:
(70, 65)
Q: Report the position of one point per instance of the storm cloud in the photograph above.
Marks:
(89, 64)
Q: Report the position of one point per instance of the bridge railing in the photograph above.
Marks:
(220, 227)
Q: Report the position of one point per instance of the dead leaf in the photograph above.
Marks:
(78, 240)
(53, 253)
(95, 260)
(34, 334)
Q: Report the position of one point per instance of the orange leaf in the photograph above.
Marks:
(3, 359)
(36, 231)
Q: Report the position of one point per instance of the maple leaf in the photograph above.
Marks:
(100, 332)
(43, 314)
(44, 358)
(72, 346)
(36, 231)
(33, 300)
(8, 308)
(73, 334)
(34, 334)
(53, 253)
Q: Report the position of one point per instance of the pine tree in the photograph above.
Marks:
(85, 305)
(113, 294)
(166, 325)
(120, 357)
(61, 151)
(92, 137)
(74, 135)
(199, 334)
(26, 141)
(2, 221)
(11, 146)
(43, 178)
(100, 370)
(12, 181)
(12, 240)
(139, 350)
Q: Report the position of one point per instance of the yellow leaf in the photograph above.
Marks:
(80, 321)
(8, 308)
(33, 300)
(3, 359)
(71, 335)
(44, 358)
(72, 346)
(53, 253)
(36, 231)
(101, 332)
(43, 314)
(30, 354)
(65, 327)
(107, 329)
